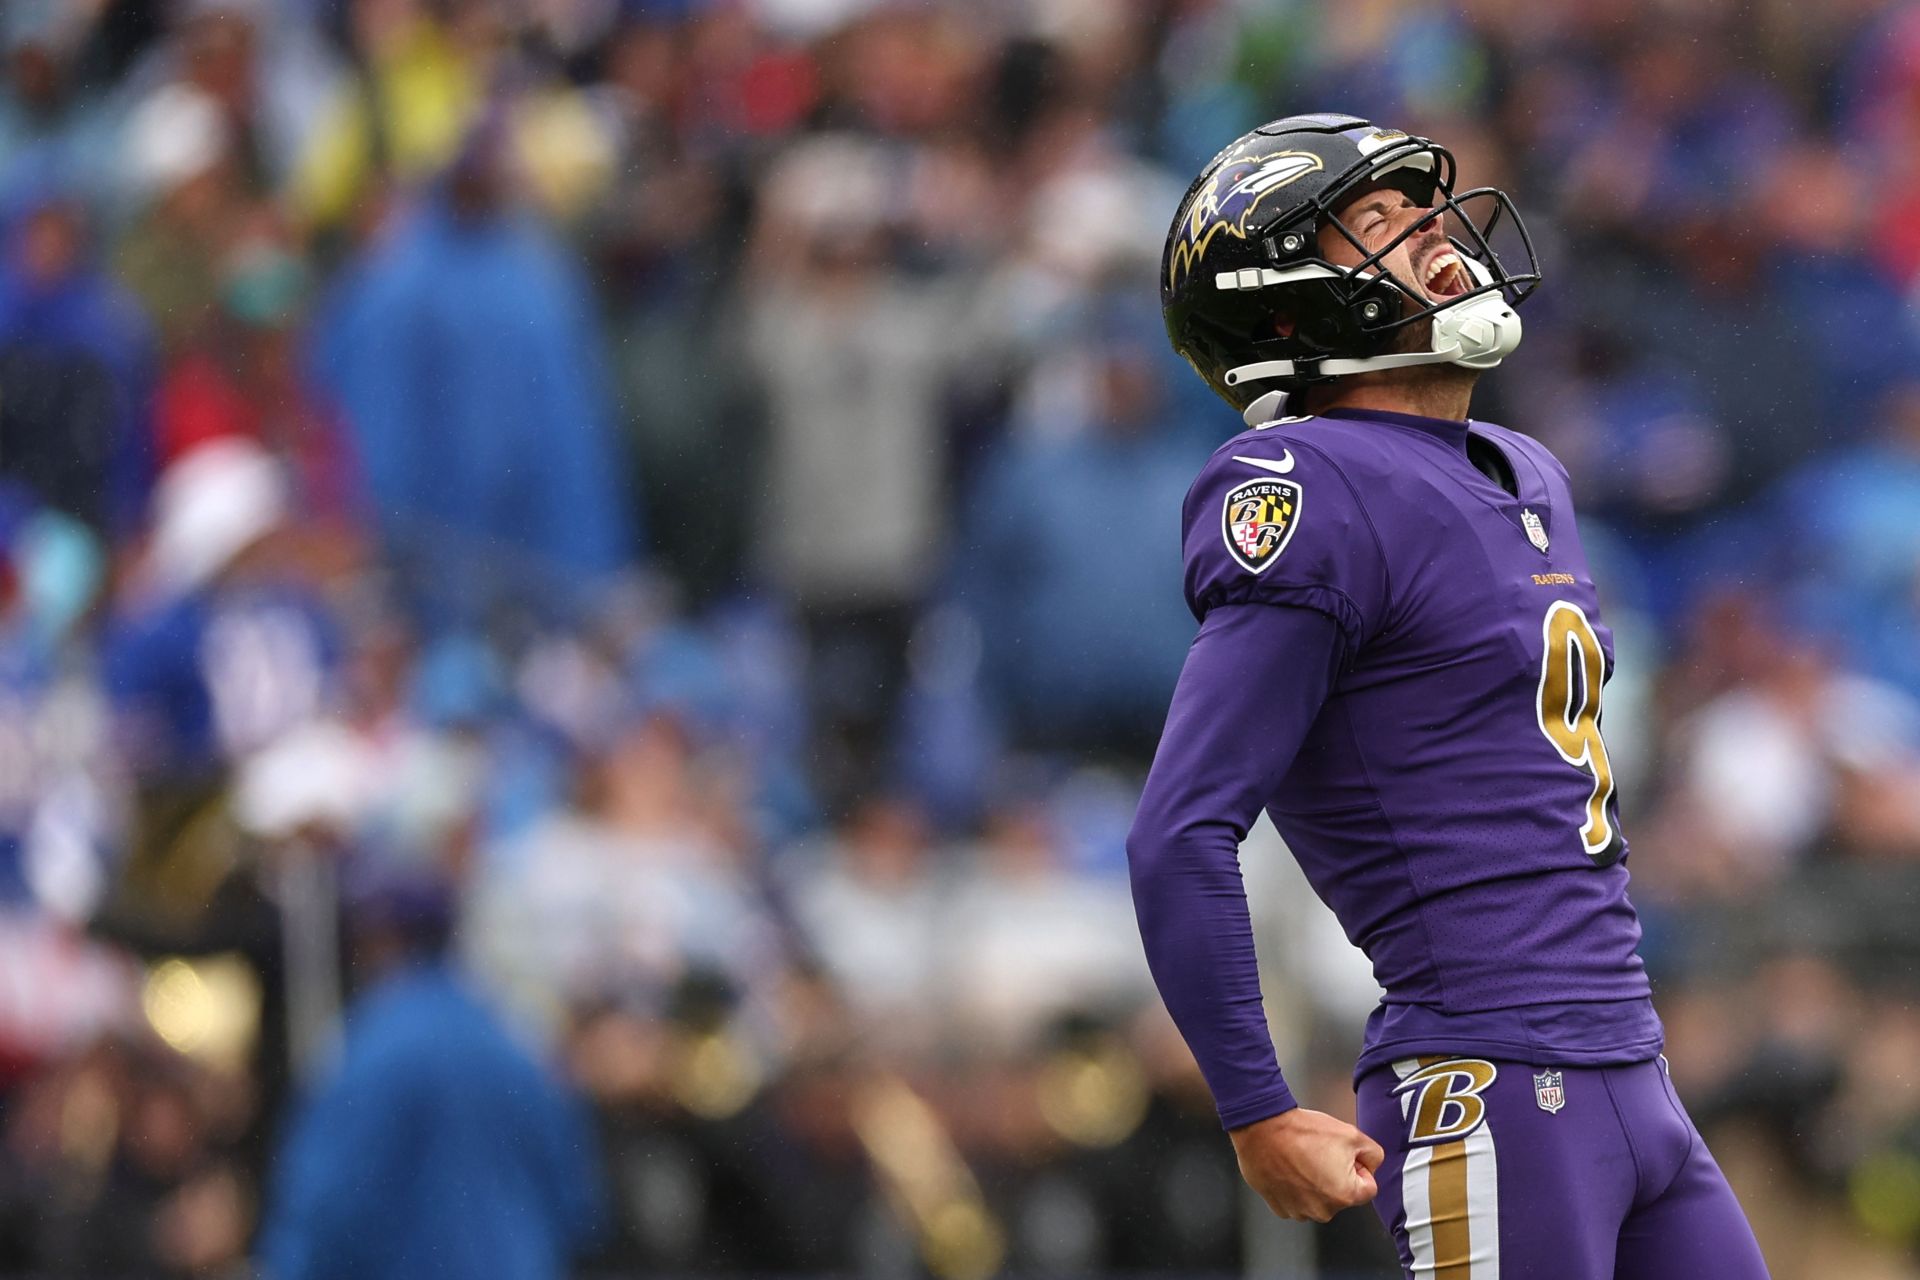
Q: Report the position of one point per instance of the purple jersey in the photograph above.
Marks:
(1402, 663)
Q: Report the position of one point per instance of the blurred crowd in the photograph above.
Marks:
(586, 585)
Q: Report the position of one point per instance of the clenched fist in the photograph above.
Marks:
(1307, 1164)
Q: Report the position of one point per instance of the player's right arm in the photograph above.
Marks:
(1253, 683)
(1275, 632)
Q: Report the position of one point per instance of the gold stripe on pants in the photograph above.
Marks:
(1447, 1194)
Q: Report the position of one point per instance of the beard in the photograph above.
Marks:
(1421, 386)
(1411, 338)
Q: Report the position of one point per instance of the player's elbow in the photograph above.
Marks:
(1175, 853)
(1150, 849)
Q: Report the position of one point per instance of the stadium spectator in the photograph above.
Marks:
(1046, 542)
(241, 377)
(631, 890)
(189, 202)
(869, 899)
(76, 357)
(1819, 757)
(437, 1147)
(855, 358)
(417, 87)
(147, 1191)
(461, 349)
(48, 120)
(260, 67)
(1026, 939)
(221, 643)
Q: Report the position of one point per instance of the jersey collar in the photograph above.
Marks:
(1451, 430)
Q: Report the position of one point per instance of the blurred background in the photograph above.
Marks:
(586, 587)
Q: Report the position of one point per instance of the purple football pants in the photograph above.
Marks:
(1500, 1171)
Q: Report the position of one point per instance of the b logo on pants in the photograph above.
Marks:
(1446, 1102)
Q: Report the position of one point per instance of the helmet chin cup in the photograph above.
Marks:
(1484, 328)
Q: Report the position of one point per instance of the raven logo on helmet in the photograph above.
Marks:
(1230, 197)
(1263, 312)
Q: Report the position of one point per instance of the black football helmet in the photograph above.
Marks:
(1244, 247)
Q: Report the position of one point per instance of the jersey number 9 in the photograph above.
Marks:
(1572, 670)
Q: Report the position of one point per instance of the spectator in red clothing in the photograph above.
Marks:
(242, 377)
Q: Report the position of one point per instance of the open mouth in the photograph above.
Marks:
(1444, 276)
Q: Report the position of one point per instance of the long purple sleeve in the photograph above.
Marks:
(1252, 686)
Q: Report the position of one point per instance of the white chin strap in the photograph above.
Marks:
(1476, 334)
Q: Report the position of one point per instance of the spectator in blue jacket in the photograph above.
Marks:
(1056, 551)
(437, 1147)
(465, 354)
(76, 359)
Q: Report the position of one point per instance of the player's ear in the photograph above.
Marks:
(1284, 324)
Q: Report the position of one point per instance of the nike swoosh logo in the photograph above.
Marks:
(1279, 468)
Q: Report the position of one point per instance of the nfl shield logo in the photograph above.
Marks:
(1536, 531)
(1548, 1091)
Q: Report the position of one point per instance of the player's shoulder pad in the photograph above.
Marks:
(1274, 517)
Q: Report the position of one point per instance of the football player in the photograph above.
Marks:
(1401, 659)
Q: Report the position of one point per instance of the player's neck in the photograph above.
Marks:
(1445, 392)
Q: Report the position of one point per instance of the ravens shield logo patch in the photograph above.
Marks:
(1258, 519)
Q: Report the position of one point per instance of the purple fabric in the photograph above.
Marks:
(1399, 748)
(1253, 682)
(1615, 1182)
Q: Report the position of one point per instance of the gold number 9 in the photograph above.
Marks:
(1572, 669)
